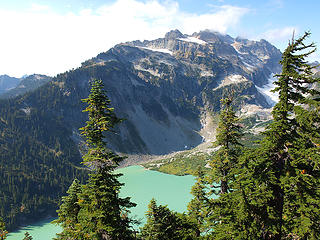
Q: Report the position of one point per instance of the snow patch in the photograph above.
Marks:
(264, 57)
(162, 50)
(38, 77)
(272, 98)
(193, 40)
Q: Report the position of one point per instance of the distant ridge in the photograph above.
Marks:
(167, 90)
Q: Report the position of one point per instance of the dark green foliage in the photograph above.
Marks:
(276, 191)
(228, 137)
(3, 232)
(101, 117)
(272, 191)
(163, 224)
(38, 159)
(95, 210)
(220, 212)
(197, 208)
(290, 146)
(69, 210)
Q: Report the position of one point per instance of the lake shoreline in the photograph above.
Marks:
(141, 185)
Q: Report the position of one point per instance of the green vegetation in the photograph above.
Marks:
(3, 231)
(180, 164)
(270, 191)
(275, 187)
(95, 210)
(38, 159)
(228, 138)
(167, 225)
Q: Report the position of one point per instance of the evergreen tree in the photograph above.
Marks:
(69, 210)
(227, 138)
(3, 232)
(197, 207)
(95, 210)
(163, 224)
(280, 181)
(103, 214)
(222, 211)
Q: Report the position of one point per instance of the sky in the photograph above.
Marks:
(50, 37)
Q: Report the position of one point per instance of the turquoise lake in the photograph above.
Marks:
(142, 185)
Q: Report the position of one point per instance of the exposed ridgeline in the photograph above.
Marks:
(12, 87)
(7, 83)
(162, 88)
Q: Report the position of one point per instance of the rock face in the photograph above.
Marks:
(163, 86)
(165, 89)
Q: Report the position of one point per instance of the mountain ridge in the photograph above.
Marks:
(22, 85)
(165, 97)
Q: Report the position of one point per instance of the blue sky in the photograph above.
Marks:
(50, 37)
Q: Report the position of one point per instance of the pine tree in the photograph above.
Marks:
(69, 210)
(95, 210)
(163, 224)
(280, 181)
(227, 138)
(103, 214)
(222, 211)
(197, 207)
(3, 232)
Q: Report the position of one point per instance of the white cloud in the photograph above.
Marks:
(280, 34)
(42, 41)
(221, 20)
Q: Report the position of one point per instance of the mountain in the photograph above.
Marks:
(165, 89)
(25, 84)
(7, 83)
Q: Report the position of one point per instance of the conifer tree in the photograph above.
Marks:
(3, 232)
(221, 210)
(103, 214)
(197, 207)
(280, 181)
(95, 210)
(69, 210)
(163, 224)
(227, 138)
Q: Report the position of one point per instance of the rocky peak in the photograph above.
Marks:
(211, 37)
(174, 34)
